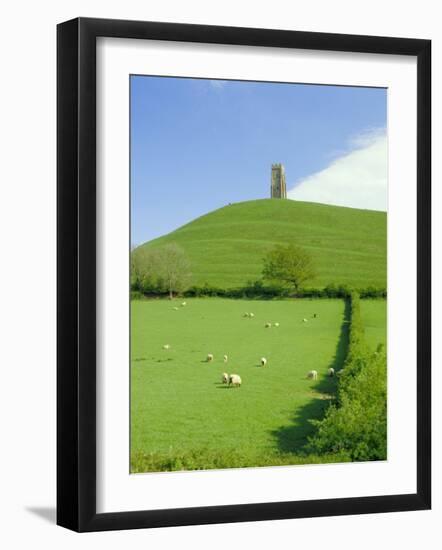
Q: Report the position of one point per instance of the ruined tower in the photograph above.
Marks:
(277, 185)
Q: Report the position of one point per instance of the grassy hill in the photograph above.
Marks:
(226, 246)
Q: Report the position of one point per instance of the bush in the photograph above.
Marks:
(357, 423)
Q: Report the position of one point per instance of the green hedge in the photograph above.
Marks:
(356, 424)
(257, 289)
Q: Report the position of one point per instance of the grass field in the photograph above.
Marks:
(178, 403)
(374, 317)
(226, 247)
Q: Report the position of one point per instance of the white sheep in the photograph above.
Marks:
(175, 308)
(263, 361)
(166, 346)
(276, 324)
(312, 374)
(209, 357)
(251, 315)
(225, 378)
(331, 371)
(235, 380)
(305, 320)
(268, 325)
(184, 304)
(225, 358)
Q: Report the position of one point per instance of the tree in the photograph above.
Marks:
(165, 269)
(173, 268)
(136, 268)
(290, 265)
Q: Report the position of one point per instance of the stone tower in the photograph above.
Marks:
(277, 185)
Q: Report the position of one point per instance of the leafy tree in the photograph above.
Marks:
(290, 265)
(173, 268)
(158, 270)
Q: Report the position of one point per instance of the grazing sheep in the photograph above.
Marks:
(312, 374)
(331, 371)
(184, 304)
(175, 308)
(305, 320)
(268, 325)
(263, 361)
(225, 378)
(251, 315)
(209, 357)
(225, 358)
(276, 324)
(166, 346)
(235, 380)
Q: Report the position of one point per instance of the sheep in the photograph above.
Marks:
(312, 374)
(225, 358)
(183, 304)
(166, 346)
(276, 324)
(246, 314)
(175, 308)
(263, 361)
(331, 371)
(268, 325)
(251, 315)
(225, 378)
(235, 380)
(209, 357)
(305, 320)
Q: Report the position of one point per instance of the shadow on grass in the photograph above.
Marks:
(292, 438)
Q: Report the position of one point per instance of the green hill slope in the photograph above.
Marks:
(226, 246)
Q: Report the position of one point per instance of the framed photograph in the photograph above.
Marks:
(243, 274)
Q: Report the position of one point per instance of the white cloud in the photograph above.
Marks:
(358, 178)
(217, 84)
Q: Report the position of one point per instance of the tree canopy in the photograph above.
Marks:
(290, 265)
(165, 269)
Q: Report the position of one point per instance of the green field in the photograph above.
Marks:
(374, 317)
(226, 247)
(178, 403)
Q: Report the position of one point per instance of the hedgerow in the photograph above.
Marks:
(357, 423)
(256, 289)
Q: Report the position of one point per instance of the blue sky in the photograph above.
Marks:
(198, 144)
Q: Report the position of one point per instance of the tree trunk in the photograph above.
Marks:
(170, 294)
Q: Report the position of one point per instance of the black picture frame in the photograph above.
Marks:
(76, 274)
